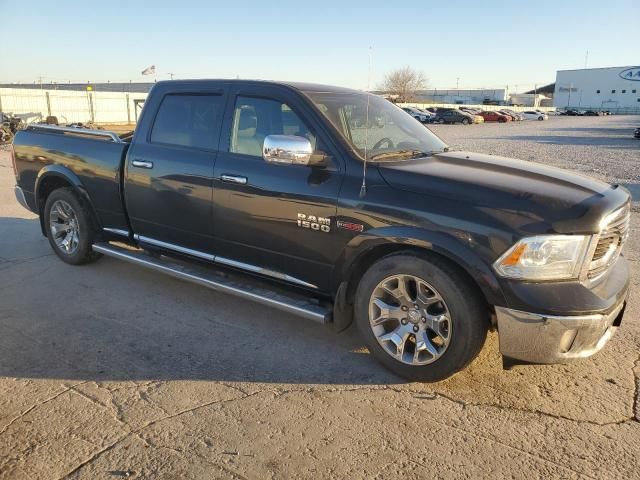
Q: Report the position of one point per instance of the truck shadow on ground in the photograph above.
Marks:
(114, 321)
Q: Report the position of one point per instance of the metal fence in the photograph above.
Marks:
(72, 106)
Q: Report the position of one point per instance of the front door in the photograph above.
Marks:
(169, 174)
(274, 219)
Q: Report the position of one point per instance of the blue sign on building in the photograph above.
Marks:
(632, 73)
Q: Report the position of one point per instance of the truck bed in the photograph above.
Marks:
(92, 157)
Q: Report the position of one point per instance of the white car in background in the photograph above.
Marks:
(419, 115)
(533, 115)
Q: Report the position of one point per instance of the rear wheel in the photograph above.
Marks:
(70, 226)
(421, 318)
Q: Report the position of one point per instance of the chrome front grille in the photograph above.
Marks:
(611, 239)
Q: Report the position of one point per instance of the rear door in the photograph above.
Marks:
(274, 219)
(169, 171)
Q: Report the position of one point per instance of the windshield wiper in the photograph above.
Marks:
(399, 154)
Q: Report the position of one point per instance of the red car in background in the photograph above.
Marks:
(494, 117)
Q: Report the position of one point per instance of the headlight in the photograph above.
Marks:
(544, 257)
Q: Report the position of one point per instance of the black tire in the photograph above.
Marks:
(86, 225)
(465, 121)
(468, 312)
(541, 118)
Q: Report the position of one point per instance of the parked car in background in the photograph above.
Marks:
(593, 113)
(491, 116)
(636, 133)
(533, 115)
(430, 115)
(453, 116)
(418, 115)
(511, 114)
(575, 113)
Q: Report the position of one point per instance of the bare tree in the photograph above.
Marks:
(404, 83)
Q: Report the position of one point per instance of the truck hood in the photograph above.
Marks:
(536, 197)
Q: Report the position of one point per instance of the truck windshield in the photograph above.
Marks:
(389, 134)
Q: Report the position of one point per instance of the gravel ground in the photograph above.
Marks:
(109, 370)
(602, 147)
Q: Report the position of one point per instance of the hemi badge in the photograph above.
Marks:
(352, 227)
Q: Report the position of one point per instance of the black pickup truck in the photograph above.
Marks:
(336, 205)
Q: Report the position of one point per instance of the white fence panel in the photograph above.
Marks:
(31, 105)
(110, 107)
(71, 106)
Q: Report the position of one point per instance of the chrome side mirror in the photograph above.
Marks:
(287, 150)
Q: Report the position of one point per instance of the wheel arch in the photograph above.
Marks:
(365, 249)
(53, 177)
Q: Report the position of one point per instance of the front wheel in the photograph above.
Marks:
(540, 118)
(421, 318)
(70, 227)
(465, 121)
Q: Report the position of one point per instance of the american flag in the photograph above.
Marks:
(149, 70)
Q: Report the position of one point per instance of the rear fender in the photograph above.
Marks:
(63, 173)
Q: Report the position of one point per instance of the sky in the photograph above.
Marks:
(473, 44)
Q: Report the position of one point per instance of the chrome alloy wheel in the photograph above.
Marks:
(410, 319)
(64, 227)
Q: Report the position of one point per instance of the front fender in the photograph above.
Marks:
(463, 252)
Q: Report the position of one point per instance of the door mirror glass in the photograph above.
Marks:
(287, 150)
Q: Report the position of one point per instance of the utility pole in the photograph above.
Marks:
(586, 58)
(171, 74)
(457, 83)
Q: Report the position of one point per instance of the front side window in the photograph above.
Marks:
(256, 118)
(188, 121)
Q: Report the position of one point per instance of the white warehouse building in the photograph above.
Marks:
(613, 88)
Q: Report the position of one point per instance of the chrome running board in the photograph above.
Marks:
(225, 282)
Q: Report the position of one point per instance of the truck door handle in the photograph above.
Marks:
(142, 164)
(234, 179)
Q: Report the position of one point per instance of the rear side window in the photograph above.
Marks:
(188, 121)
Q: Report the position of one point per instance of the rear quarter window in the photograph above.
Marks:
(188, 120)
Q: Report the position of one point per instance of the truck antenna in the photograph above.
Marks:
(363, 188)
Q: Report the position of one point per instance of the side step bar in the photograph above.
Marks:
(233, 284)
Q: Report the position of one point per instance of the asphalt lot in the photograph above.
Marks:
(110, 370)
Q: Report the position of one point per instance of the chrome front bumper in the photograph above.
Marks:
(20, 197)
(539, 338)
